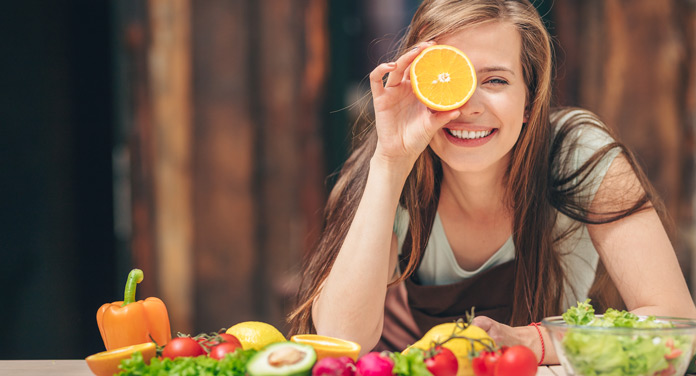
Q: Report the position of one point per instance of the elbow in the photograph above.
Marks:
(361, 334)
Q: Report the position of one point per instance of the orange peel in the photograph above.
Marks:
(442, 77)
(326, 346)
(106, 363)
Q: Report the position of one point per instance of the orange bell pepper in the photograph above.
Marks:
(128, 322)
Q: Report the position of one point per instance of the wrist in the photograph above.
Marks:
(394, 171)
(537, 344)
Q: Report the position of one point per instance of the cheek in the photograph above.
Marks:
(513, 115)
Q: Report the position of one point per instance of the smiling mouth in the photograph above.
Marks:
(469, 135)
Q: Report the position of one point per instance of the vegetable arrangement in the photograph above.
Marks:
(598, 353)
(138, 341)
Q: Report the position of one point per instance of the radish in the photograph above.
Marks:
(342, 366)
(375, 364)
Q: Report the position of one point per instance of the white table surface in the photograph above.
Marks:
(78, 367)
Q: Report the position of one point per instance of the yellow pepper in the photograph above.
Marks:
(128, 322)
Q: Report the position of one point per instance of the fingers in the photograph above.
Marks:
(395, 69)
(483, 322)
(439, 119)
(376, 75)
(402, 63)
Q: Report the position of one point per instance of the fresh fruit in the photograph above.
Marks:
(374, 364)
(329, 346)
(484, 363)
(442, 362)
(107, 362)
(329, 366)
(255, 334)
(220, 350)
(209, 341)
(462, 335)
(182, 346)
(283, 359)
(443, 77)
(516, 361)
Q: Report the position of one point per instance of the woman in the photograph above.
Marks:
(502, 204)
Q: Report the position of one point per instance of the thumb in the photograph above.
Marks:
(440, 118)
(483, 322)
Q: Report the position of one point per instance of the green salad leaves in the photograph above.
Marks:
(409, 364)
(231, 365)
(612, 353)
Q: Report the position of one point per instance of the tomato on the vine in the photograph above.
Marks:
(506, 361)
(182, 346)
(516, 361)
(220, 350)
(484, 364)
(442, 363)
(221, 338)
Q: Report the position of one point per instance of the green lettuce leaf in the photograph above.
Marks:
(596, 353)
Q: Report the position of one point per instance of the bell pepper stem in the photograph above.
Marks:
(134, 277)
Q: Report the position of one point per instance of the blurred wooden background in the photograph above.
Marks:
(193, 139)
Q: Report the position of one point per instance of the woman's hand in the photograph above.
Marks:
(505, 335)
(404, 125)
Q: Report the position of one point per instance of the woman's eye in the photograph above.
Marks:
(496, 81)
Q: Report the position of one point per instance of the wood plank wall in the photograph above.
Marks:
(221, 125)
(633, 63)
(226, 152)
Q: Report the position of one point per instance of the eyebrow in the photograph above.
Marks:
(496, 69)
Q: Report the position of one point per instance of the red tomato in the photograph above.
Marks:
(182, 346)
(516, 361)
(221, 338)
(443, 363)
(231, 339)
(219, 351)
(484, 364)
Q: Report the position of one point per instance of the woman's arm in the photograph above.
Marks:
(351, 302)
(637, 254)
(636, 250)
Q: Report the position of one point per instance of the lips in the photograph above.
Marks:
(469, 135)
(461, 137)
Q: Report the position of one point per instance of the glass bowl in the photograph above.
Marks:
(593, 350)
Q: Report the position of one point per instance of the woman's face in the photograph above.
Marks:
(483, 135)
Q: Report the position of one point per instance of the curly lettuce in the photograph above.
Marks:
(597, 353)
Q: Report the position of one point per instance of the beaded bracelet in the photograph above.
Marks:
(543, 349)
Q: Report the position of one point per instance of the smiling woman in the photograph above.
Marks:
(503, 203)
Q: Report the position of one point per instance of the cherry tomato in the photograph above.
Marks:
(516, 361)
(443, 363)
(182, 346)
(484, 364)
(219, 351)
(222, 338)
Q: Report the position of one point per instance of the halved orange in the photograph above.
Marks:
(328, 346)
(107, 362)
(443, 77)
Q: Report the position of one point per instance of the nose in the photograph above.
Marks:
(474, 106)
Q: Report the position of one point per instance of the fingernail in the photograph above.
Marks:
(415, 48)
(391, 65)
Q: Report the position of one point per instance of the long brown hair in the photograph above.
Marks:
(531, 190)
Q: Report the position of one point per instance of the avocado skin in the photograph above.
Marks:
(258, 364)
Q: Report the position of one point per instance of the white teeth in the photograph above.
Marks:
(469, 135)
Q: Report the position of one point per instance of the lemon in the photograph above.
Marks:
(461, 347)
(256, 334)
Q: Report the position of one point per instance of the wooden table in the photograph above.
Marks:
(78, 367)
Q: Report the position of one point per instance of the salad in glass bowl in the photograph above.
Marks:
(621, 343)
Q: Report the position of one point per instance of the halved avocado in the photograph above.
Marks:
(283, 359)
